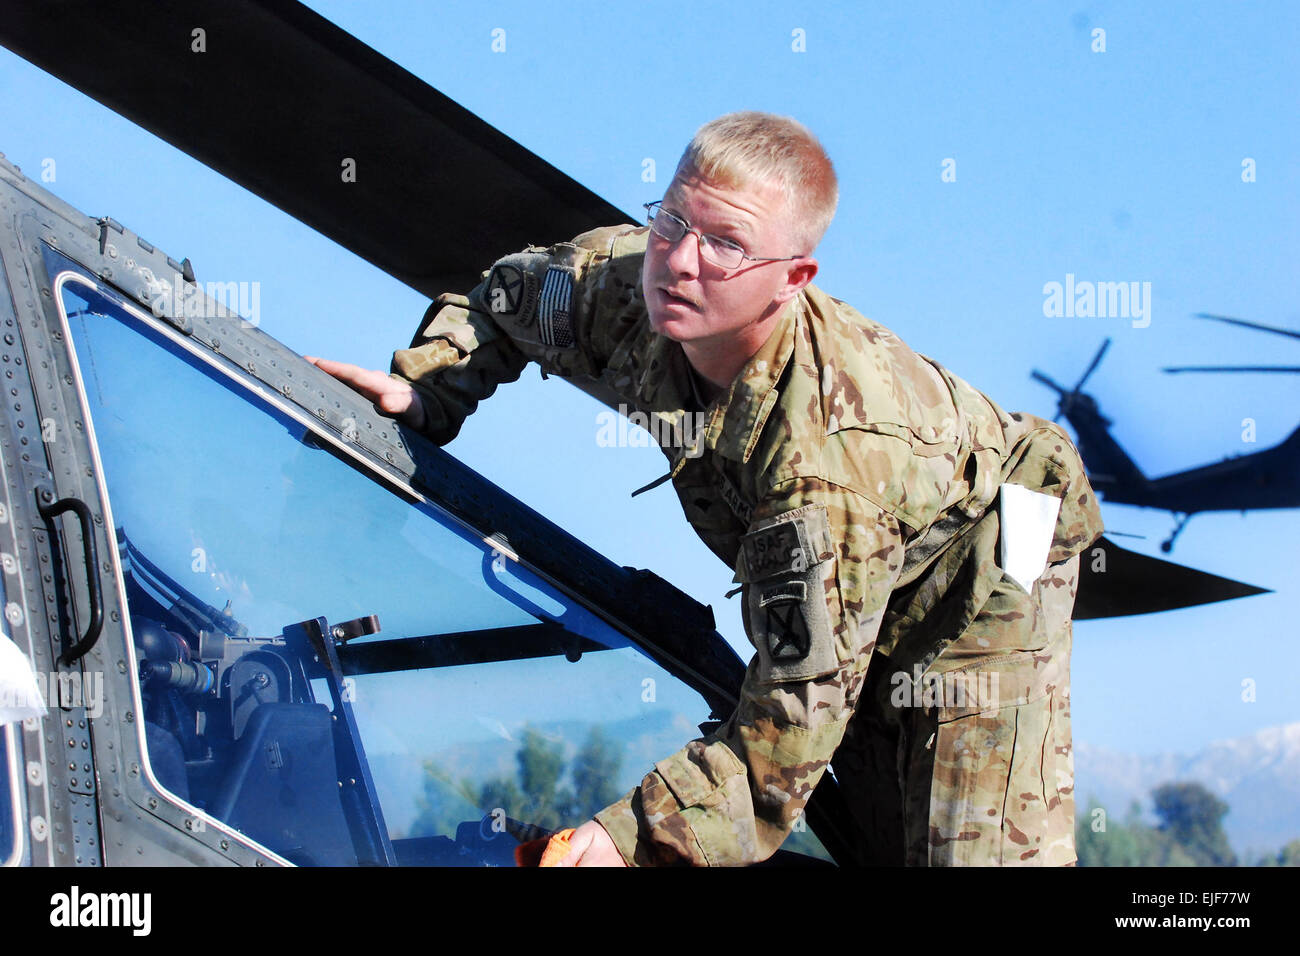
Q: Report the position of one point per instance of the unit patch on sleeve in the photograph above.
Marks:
(783, 621)
(512, 291)
(787, 561)
(791, 542)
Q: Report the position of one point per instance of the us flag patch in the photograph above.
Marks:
(553, 313)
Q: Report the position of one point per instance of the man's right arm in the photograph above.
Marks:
(392, 396)
(457, 358)
(568, 308)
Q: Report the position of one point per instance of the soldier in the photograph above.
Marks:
(908, 551)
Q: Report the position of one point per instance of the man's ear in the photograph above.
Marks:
(798, 274)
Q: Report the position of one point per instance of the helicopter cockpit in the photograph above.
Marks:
(330, 666)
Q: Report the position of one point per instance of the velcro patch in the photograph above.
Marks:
(512, 291)
(734, 499)
(788, 591)
(789, 544)
(505, 290)
(554, 320)
(790, 627)
(787, 575)
(783, 622)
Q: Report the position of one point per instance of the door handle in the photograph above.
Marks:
(51, 509)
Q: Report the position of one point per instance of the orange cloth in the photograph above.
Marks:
(544, 852)
(557, 849)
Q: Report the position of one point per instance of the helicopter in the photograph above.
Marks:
(1262, 479)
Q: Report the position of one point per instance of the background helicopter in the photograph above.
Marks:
(1263, 479)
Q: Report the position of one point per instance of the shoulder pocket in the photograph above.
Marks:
(786, 564)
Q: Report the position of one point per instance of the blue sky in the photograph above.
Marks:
(1122, 165)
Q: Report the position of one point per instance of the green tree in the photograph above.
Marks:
(1190, 832)
(538, 793)
(442, 804)
(594, 770)
(540, 765)
(1101, 841)
(1192, 824)
(501, 793)
(1289, 855)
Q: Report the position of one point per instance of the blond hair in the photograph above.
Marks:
(749, 148)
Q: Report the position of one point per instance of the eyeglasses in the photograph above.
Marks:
(719, 251)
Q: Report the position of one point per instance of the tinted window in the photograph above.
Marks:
(487, 705)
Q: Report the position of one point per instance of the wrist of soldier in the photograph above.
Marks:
(623, 827)
(669, 842)
(415, 415)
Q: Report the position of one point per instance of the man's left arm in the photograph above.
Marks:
(818, 564)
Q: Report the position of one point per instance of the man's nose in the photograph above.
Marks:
(684, 259)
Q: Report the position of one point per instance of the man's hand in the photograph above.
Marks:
(393, 398)
(590, 845)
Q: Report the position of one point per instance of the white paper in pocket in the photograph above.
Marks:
(1028, 523)
(20, 697)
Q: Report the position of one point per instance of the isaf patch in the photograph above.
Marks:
(790, 543)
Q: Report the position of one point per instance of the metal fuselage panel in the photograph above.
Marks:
(89, 792)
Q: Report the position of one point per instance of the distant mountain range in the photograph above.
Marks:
(1257, 776)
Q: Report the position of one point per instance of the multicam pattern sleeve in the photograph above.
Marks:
(568, 308)
(818, 565)
(457, 359)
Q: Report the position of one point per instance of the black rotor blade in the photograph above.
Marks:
(1232, 368)
(1096, 360)
(1126, 582)
(1040, 377)
(286, 102)
(1249, 325)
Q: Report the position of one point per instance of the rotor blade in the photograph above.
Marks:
(1232, 368)
(1040, 377)
(287, 103)
(1096, 360)
(1249, 325)
(1121, 582)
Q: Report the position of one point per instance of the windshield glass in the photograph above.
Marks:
(487, 704)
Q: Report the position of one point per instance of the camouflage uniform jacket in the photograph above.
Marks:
(843, 477)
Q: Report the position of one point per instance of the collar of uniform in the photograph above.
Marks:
(737, 417)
